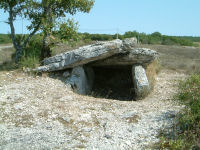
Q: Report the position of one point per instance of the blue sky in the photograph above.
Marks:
(170, 17)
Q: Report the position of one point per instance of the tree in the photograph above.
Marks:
(54, 9)
(43, 15)
(68, 30)
(24, 9)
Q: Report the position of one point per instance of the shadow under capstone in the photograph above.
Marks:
(113, 82)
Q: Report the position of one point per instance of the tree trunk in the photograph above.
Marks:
(46, 52)
(19, 52)
(18, 48)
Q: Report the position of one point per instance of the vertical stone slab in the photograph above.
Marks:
(81, 80)
(140, 80)
(90, 78)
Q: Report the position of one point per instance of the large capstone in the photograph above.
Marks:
(142, 56)
(86, 54)
(141, 83)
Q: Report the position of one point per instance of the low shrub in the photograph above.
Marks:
(187, 129)
(29, 62)
(31, 55)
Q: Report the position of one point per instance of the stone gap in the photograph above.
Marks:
(113, 82)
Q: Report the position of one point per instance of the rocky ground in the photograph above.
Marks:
(41, 113)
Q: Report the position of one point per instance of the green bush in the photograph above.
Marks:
(31, 54)
(189, 94)
(68, 30)
(187, 129)
(29, 62)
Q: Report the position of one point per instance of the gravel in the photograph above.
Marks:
(41, 113)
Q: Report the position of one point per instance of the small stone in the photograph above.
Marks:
(67, 119)
(87, 129)
(19, 106)
(107, 136)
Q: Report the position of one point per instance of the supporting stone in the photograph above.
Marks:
(141, 83)
(81, 80)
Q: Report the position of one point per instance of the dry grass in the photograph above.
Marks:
(6, 59)
(178, 57)
(151, 71)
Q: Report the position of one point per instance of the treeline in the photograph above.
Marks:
(194, 39)
(143, 38)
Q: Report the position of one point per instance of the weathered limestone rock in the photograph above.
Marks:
(87, 54)
(81, 56)
(81, 80)
(141, 83)
(134, 56)
(129, 43)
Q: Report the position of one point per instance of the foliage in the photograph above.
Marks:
(97, 37)
(69, 30)
(188, 127)
(42, 15)
(31, 54)
(29, 62)
(52, 10)
(20, 8)
(154, 38)
(189, 94)
(158, 38)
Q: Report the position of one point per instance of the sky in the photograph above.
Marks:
(169, 17)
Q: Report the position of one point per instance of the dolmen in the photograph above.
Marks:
(78, 64)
